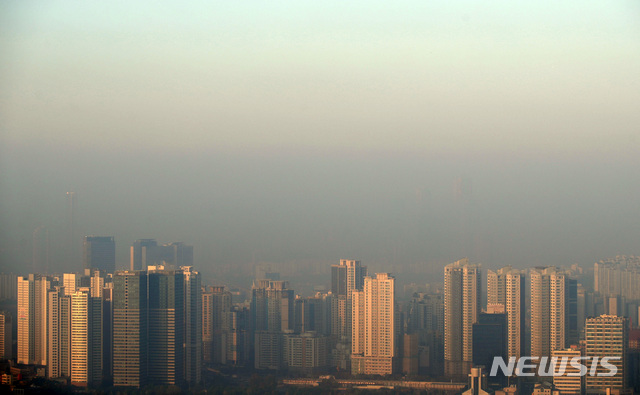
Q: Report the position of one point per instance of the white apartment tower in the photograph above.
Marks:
(462, 290)
(506, 287)
(607, 336)
(32, 319)
(374, 326)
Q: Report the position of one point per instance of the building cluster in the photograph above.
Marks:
(157, 324)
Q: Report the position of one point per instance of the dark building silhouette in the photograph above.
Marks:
(99, 252)
(490, 340)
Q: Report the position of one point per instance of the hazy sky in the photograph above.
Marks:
(325, 129)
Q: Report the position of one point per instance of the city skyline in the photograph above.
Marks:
(406, 134)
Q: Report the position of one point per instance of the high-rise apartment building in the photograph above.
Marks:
(272, 308)
(216, 306)
(619, 276)
(554, 311)
(374, 329)
(346, 277)
(130, 329)
(607, 336)
(192, 320)
(506, 287)
(86, 338)
(59, 332)
(6, 335)
(99, 252)
(462, 299)
(32, 319)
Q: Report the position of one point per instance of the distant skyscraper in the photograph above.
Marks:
(147, 252)
(140, 252)
(192, 321)
(99, 253)
(374, 329)
(506, 287)
(59, 325)
(41, 250)
(462, 298)
(607, 336)
(72, 254)
(130, 328)
(166, 326)
(554, 309)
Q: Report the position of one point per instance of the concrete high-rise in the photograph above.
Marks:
(374, 329)
(506, 287)
(462, 298)
(147, 252)
(59, 332)
(99, 252)
(130, 329)
(141, 252)
(346, 277)
(86, 338)
(32, 319)
(554, 319)
(6, 335)
(166, 326)
(192, 322)
(607, 336)
(272, 314)
(216, 306)
(568, 380)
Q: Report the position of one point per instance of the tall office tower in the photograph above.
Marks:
(99, 252)
(41, 250)
(141, 252)
(59, 331)
(619, 276)
(490, 340)
(130, 329)
(8, 286)
(6, 335)
(554, 311)
(32, 319)
(374, 329)
(568, 381)
(462, 298)
(216, 304)
(86, 338)
(193, 323)
(506, 287)
(72, 250)
(607, 336)
(271, 315)
(166, 325)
